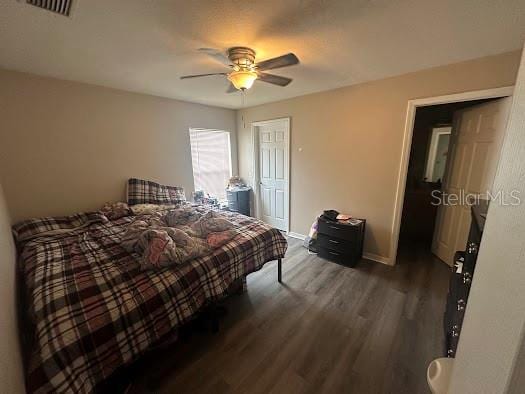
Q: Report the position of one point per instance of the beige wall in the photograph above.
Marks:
(11, 372)
(67, 146)
(351, 140)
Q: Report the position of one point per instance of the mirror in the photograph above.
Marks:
(437, 154)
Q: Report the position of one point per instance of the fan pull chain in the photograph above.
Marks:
(243, 98)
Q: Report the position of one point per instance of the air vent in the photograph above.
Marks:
(61, 7)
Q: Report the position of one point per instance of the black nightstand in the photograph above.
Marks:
(341, 242)
(239, 200)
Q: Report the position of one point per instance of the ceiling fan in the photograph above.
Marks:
(244, 69)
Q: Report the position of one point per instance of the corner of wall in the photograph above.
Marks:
(11, 368)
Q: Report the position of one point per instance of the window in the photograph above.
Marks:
(211, 161)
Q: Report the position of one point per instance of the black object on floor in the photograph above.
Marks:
(340, 242)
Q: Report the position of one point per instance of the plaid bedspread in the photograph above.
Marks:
(94, 310)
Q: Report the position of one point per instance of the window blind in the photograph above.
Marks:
(211, 161)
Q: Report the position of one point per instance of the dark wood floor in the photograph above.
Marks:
(326, 329)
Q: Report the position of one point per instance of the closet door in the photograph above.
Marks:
(273, 174)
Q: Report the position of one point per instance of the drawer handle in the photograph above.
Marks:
(461, 305)
(333, 241)
(450, 353)
(455, 331)
(467, 278)
(335, 228)
(336, 254)
(472, 248)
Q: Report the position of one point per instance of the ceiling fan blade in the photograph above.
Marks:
(216, 55)
(274, 79)
(200, 75)
(231, 89)
(277, 62)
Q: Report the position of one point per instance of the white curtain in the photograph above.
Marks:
(211, 160)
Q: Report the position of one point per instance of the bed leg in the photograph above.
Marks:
(279, 270)
(213, 314)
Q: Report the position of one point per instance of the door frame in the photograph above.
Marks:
(255, 165)
(506, 91)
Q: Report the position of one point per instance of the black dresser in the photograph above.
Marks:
(461, 279)
(239, 200)
(340, 242)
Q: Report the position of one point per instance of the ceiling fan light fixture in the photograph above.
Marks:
(244, 70)
(242, 79)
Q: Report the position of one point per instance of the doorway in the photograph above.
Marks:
(271, 177)
(413, 105)
(455, 149)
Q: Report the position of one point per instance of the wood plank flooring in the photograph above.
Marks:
(326, 329)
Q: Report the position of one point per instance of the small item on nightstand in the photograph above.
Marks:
(235, 182)
(199, 197)
(330, 214)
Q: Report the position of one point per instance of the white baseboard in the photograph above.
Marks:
(368, 256)
(377, 258)
(291, 234)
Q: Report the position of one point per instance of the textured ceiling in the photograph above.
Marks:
(145, 45)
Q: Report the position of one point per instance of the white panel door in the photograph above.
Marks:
(273, 173)
(475, 146)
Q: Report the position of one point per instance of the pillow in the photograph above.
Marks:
(33, 228)
(140, 191)
(116, 210)
(148, 209)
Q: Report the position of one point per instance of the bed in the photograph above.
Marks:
(93, 309)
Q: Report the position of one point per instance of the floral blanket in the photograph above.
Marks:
(176, 236)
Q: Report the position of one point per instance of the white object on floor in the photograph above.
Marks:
(438, 374)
